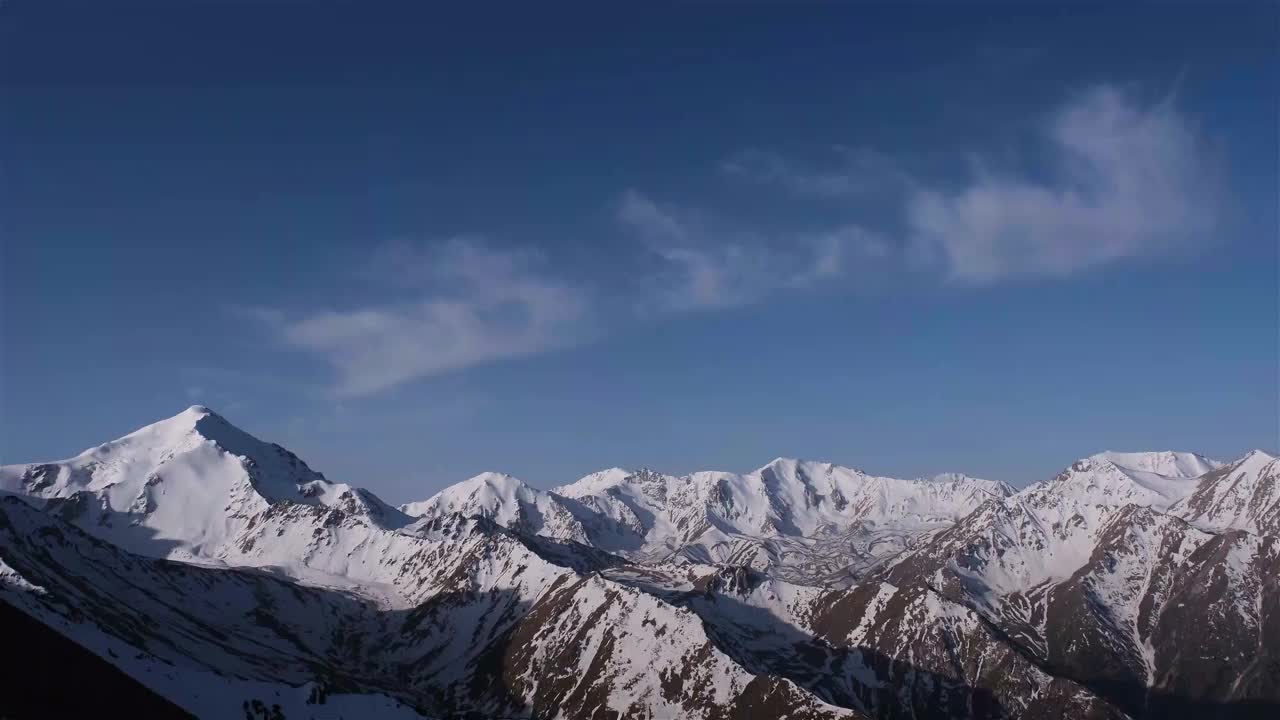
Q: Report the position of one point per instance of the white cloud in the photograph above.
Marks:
(479, 305)
(722, 276)
(1126, 180)
(834, 250)
(706, 265)
(652, 223)
(851, 172)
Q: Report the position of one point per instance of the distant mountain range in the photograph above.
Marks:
(189, 568)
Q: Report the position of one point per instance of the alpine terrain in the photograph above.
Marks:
(190, 569)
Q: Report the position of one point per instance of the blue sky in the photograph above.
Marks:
(412, 246)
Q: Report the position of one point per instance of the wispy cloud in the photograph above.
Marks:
(477, 305)
(1126, 180)
(1123, 180)
(708, 264)
(847, 172)
(1118, 179)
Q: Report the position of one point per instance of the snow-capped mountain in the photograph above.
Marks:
(785, 497)
(186, 487)
(228, 579)
(502, 626)
(1167, 463)
(507, 501)
(804, 520)
(1244, 495)
(1153, 479)
(1088, 572)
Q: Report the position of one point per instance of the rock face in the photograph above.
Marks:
(220, 576)
(805, 521)
(1244, 495)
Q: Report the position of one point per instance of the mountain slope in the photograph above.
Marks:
(507, 501)
(1167, 462)
(1157, 480)
(807, 521)
(228, 578)
(1100, 588)
(184, 487)
(502, 632)
(1243, 495)
(35, 686)
(207, 640)
(785, 497)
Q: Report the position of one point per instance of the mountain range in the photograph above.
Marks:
(190, 569)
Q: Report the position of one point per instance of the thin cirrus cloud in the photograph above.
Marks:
(1123, 180)
(1126, 180)
(478, 305)
(706, 265)
(474, 304)
(850, 172)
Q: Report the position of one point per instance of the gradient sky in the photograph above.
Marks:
(413, 246)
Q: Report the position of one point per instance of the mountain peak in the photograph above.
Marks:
(1111, 478)
(1170, 463)
(780, 460)
(494, 477)
(193, 416)
(789, 465)
(500, 482)
(1253, 460)
(484, 494)
(596, 482)
(195, 423)
(960, 478)
(185, 485)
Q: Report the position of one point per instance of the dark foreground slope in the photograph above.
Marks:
(36, 681)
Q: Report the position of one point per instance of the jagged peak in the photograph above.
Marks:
(274, 471)
(957, 477)
(997, 487)
(194, 424)
(795, 462)
(601, 480)
(1253, 461)
(487, 488)
(597, 482)
(1256, 455)
(781, 461)
(502, 483)
(1157, 479)
(1170, 463)
(611, 472)
(193, 416)
(805, 468)
(791, 465)
(494, 478)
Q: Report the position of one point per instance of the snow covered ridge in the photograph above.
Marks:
(185, 487)
(754, 518)
(800, 589)
(196, 487)
(1167, 463)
